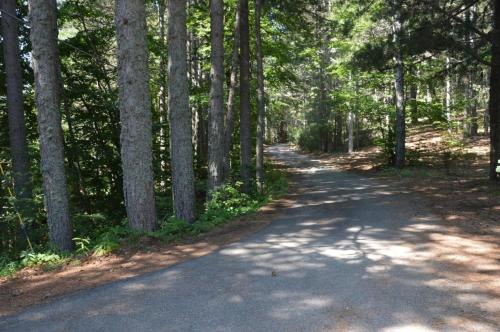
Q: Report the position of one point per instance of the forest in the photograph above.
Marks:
(126, 118)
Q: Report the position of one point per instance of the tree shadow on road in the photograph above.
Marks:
(349, 253)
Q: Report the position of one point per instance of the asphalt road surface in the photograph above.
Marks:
(349, 254)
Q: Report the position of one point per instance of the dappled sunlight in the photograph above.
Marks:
(349, 254)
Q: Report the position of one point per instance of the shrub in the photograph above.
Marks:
(228, 201)
(82, 244)
(7, 266)
(89, 225)
(110, 239)
(171, 229)
(32, 259)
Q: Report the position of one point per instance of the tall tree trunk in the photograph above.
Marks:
(350, 130)
(324, 140)
(355, 116)
(470, 112)
(399, 88)
(494, 102)
(261, 107)
(46, 65)
(448, 94)
(135, 114)
(231, 100)
(216, 115)
(414, 104)
(245, 134)
(163, 107)
(181, 149)
(15, 107)
(413, 99)
(357, 125)
(470, 92)
(467, 122)
(338, 142)
(327, 132)
(201, 124)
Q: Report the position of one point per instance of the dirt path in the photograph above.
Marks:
(349, 253)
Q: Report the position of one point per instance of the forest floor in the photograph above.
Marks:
(455, 187)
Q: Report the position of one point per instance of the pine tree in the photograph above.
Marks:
(231, 99)
(494, 102)
(15, 107)
(245, 125)
(216, 115)
(399, 86)
(261, 108)
(181, 149)
(44, 34)
(135, 114)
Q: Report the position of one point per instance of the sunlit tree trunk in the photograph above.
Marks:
(399, 87)
(46, 66)
(163, 107)
(197, 78)
(350, 130)
(470, 125)
(261, 108)
(181, 149)
(467, 115)
(245, 134)
(494, 102)
(15, 107)
(231, 101)
(338, 132)
(357, 125)
(448, 94)
(216, 115)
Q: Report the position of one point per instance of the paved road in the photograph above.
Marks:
(349, 254)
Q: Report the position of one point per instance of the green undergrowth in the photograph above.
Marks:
(226, 204)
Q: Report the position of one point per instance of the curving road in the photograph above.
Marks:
(349, 254)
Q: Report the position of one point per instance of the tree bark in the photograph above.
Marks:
(216, 115)
(413, 99)
(448, 94)
(163, 107)
(494, 102)
(471, 112)
(350, 130)
(338, 133)
(181, 149)
(15, 107)
(399, 88)
(46, 66)
(135, 114)
(261, 107)
(231, 100)
(245, 134)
